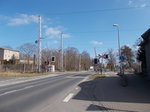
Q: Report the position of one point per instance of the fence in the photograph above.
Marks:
(17, 67)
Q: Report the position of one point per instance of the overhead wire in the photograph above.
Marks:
(96, 11)
(100, 31)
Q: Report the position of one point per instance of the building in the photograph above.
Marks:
(145, 44)
(8, 54)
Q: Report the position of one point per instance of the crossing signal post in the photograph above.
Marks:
(100, 65)
(106, 56)
(53, 59)
(96, 64)
(96, 61)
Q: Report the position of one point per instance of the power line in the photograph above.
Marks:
(97, 11)
(100, 31)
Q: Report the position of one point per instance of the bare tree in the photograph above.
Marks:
(46, 55)
(86, 61)
(73, 60)
(111, 60)
(71, 56)
(27, 51)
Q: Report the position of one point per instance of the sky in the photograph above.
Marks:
(85, 23)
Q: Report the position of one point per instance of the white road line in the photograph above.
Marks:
(5, 82)
(8, 92)
(75, 77)
(68, 97)
(77, 88)
(28, 87)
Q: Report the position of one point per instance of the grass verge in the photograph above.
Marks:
(96, 76)
(15, 74)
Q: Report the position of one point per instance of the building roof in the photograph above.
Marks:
(146, 34)
(9, 49)
(146, 37)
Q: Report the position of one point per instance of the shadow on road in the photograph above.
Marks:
(108, 89)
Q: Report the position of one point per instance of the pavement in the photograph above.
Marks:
(108, 95)
(113, 97)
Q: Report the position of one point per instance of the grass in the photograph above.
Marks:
(15, 74)
(96, 76)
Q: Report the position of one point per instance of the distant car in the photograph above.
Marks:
(91, 67)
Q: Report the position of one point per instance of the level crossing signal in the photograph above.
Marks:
(105, 56)
(96, 61)
(53, 59)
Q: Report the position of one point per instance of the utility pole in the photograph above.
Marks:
(95, 52)
(62, 60)
(79, 62)
(39, 45)
(119, 49)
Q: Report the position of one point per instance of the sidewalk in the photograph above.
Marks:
(111, 96)
(107, 95)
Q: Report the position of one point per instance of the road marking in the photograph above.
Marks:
(22, 80)
(76, 77)
(8, 92)
(68, 97)
(77, 88)
(28, 87)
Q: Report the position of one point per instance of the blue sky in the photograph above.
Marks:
(85, 23)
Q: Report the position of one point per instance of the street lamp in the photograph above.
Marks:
(117, 26)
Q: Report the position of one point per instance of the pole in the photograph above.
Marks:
(79, 62)
(62, 60)
(118, 41)
(119, 50)
(95, 52)
(39, 45)
(102, 65)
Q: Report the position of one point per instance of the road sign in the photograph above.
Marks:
(122, 58)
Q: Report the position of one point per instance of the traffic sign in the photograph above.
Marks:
(122, 58)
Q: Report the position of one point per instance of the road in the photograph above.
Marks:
(40, 95)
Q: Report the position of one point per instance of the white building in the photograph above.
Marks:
(8, 54)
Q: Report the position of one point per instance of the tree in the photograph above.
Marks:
(129, 56)
(46, 55)
(71, 58)
(111, 60)
(27, 51)
(85, 60)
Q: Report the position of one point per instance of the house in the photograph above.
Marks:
(27, 61)
(146, 47)
(8, 54)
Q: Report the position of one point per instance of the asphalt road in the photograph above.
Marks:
(39, 95)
